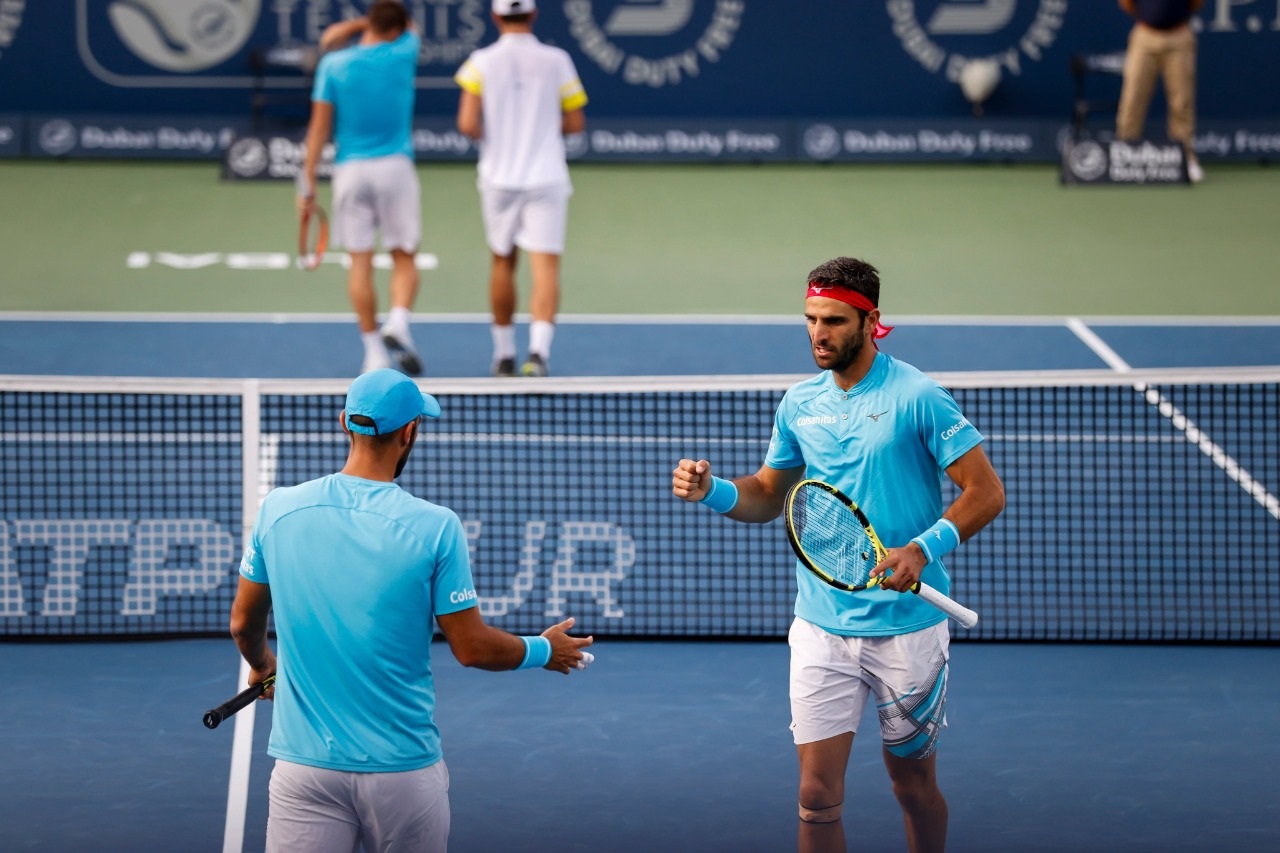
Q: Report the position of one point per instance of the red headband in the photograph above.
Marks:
(848, 297)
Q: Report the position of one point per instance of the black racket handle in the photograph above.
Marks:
(236, 703)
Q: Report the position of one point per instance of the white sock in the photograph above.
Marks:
(504, 341)
(398, 322)
(373, 343)
(540, 334)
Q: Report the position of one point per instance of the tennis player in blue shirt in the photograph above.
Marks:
(883, 433)
(354, 569)
(363, 97)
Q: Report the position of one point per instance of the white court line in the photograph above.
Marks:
(1224, 461)
(628, 319)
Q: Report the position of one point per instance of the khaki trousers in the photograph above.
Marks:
(1170, 54)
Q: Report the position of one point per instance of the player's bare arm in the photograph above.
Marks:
(249, 630)
(760, 495)
(573, 121)
(980, 500)
(318, 132)
(338, 34)
(480, 645)
(470, 115)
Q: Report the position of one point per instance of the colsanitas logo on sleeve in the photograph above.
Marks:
(462, 596)
(953, 430)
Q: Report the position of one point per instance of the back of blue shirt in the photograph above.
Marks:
(357, 570)
(371, 88)
(885, 443)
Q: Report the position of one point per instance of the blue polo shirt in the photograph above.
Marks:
(371, 88)
(357, 570)
(885, 443)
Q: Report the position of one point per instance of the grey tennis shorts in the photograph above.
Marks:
(315, 810)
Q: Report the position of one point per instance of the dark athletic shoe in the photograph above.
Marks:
(534, 366)
(403, 353)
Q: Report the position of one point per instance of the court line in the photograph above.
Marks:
(635, 319)
(1162, 404)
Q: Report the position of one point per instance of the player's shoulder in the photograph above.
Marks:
(807, 390)
(904, 377)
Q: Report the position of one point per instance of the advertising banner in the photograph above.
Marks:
(11, 135)
(1103, 162)
(638, 59)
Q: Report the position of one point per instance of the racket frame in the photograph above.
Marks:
(965, 617)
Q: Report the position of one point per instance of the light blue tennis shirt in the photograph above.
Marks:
(371, 88)
(885, 443)
(357, 569)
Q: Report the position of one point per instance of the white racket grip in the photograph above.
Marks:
(963, 615)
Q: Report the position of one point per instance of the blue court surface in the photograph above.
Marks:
(674, 747)
(459, 346)
(661, 745)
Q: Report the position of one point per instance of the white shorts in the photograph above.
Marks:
(381, 194)
(535, 220)
(314, 810)
(833, 676)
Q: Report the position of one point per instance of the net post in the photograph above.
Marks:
(242, 737)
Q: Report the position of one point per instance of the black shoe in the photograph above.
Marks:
(534, 366)
(504, 367)
(403, 353)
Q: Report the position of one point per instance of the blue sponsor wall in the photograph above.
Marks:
(862, 80)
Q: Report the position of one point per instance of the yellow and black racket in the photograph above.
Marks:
(237, 702)
(834, 540)
(313, 237)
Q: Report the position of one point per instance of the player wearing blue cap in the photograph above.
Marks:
(353, 569)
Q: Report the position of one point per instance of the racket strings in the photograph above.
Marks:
(832, 536)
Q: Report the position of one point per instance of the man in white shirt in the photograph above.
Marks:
(519, 99)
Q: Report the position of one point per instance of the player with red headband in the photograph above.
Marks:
(884, 434)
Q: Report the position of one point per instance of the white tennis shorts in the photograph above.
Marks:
(314, 810)
(833, 676)
(535, 220)
(378, 195)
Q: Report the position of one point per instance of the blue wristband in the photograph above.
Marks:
(722, 496)
(537, 651)
(939, 540)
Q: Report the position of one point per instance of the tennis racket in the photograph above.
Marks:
(834, 540)
(236, 703)
(313, 237)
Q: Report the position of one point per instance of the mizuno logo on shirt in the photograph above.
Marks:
(876, 418)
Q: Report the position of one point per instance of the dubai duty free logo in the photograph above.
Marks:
(935, 32)
(655, 44)
(183, 35)
(126, 42)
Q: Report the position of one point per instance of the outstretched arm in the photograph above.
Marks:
(477, 644)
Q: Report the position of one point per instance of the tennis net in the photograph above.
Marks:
(1141, 507)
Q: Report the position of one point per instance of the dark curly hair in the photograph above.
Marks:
(851, 274)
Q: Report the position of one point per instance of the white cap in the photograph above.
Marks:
(503, 8)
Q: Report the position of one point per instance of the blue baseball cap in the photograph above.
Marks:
(388, 398)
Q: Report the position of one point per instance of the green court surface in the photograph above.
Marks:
(674, 239)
